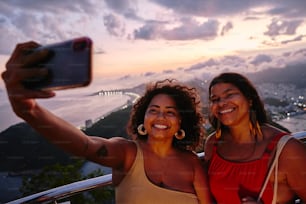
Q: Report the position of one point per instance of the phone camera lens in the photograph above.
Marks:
(80, 46)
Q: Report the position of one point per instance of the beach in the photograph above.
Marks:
(74, 108)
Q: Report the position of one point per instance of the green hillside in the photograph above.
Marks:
(23, 149)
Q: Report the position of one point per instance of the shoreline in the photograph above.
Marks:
(296, 123)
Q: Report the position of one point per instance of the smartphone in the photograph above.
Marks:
(69, 65)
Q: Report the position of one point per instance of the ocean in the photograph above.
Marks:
(73, 106)
(294, 124)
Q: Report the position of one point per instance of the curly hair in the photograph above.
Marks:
(246, 88)
(189, 107)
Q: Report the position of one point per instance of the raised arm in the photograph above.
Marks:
(21, 65)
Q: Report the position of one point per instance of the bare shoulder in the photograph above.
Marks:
(270, 131)
(292, 164)
(294, 148)
(210, 138)
(129, 146)
(208, 146)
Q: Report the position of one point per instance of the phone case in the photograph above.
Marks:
(69, 65)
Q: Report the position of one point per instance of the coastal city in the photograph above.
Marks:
(283, 100)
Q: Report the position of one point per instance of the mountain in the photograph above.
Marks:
(292, 74)
(23, 149)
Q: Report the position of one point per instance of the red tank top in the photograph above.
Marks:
(231, 181)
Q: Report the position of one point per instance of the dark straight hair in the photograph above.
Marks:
(247, 89)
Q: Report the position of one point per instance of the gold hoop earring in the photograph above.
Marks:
(141, 130)
(254, 125)
(180, 134)
(218, 130)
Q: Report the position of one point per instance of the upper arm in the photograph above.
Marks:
(201, 182)
(109, 152)
(293, 162)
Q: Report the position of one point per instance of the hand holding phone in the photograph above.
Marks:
(68, 64)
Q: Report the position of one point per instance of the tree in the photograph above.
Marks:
(57, 175)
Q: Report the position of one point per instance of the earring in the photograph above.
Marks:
(141, 130)
(218, 130)
(254, 125)
(180, 134)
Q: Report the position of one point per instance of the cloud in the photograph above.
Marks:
(55, 6)
(9, 34)
(99, 51)
(300, 52)
(44, 22)
(219, 8)
(233, 61)
(208, 63)
(191, 29)
(148, 74)
(168, 71)
(126, 8)
(114, 25)
(283, 27)
(296, 39)
(151, 30)
(118, 5)
(208, 8)
(288, 9)
(188, 29)
(259, 59)
(227, 27)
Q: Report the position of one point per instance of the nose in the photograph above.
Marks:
(161, 114)
(222, 102)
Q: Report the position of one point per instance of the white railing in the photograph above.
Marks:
(55, 194)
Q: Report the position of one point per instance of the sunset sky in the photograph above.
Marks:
(146, 36)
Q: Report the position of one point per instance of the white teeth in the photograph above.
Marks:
(226, 111)
(160, 126)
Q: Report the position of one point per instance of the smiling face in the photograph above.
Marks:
(162, 119)
(229, 105)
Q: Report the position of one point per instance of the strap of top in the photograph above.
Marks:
(280, 145)
(269, 148)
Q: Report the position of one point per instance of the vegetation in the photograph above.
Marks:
(44, 166)
(57, 175)
(22, 149)
(112, 125)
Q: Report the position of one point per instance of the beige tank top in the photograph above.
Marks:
(136, 188)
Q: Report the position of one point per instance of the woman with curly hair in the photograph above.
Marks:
(157, 166)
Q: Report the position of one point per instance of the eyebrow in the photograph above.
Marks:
(169, 107)
(225, 91)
